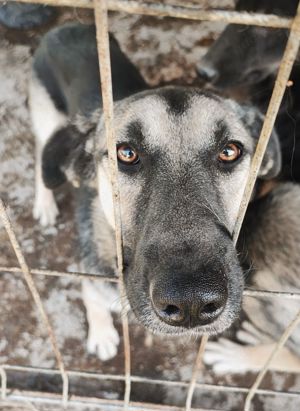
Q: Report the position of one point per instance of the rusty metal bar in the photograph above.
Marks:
(193, 381)
(270, 294)
(101, 21)
(35, 295)
(285, 68)
(284, 71)
(179, 12)
(78, 401)
(146, 380)
(248, 292)
(283, 339)
(74, 275)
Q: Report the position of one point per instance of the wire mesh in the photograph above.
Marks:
(101, 8)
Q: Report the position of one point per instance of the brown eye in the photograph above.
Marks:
(127, 155)
(230, 153)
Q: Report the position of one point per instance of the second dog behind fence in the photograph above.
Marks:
(246, 58)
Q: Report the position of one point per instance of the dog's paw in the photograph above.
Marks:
(225, 356)
(103, 341)
(249, 334)
(45, 210)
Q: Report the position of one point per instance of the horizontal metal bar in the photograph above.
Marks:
(181, 12)
(99, 277)
(54, 273)
(146, 380)
(271, 294)
(95, 403)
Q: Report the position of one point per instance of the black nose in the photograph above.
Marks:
(207, 73)
(188, 305)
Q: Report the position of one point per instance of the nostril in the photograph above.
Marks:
(170, 313)
(210, 308)
(172, 310)
(210, 311)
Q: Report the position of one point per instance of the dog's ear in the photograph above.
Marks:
(65, 157)
(253, 121)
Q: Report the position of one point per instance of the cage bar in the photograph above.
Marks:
(283, 339)
(284, 72)
(102, 35)
(198, 365)
(179, 12)
(249, 292)
(152, 381)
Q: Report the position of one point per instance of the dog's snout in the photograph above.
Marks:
(207, 73)
(188, 305)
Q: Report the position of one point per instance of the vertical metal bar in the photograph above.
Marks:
(3, 383)
(288, 331)
(35, 295)
(196, 369)
(285, 68)
(284, 72)
(101, 19)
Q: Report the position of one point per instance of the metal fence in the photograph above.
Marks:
(192, 12)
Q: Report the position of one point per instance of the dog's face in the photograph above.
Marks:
(184, 158)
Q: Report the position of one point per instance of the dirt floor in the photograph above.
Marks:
(165, 50)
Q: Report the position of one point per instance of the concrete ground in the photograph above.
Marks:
(165, 50)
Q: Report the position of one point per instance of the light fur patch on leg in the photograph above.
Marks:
(46, 119)
(226, 356)
(103, 338)
(45, 209)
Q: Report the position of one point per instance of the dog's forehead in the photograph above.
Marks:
(178, 119)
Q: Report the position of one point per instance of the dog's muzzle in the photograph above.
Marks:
(188, 301)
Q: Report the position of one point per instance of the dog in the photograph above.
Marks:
(246, 55)
(183, 156)
(246, 58)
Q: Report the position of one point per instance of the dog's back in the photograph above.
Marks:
(66, 63)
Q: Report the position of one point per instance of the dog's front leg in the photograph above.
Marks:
(100, 300)
(226, 356)
(229, 357)
(46, 119)
(45, 209)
